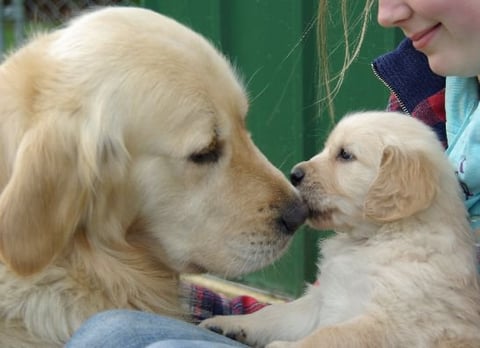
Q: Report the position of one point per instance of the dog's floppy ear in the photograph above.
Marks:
(406, 183)
(43, 201)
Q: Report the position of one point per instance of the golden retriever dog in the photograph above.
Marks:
(400, 271)
(124, 160)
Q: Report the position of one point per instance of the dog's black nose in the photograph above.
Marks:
(297, 175)
(293, 216)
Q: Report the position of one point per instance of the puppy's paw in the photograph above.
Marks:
(234, 327)
(235, 333)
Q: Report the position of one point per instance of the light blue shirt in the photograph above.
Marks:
(463, 133)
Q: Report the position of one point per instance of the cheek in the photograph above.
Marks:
(458, 49)
(354, 179)
(458, 16)
(440, 10)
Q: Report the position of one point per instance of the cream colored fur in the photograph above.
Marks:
(124, 160)
(400, 271)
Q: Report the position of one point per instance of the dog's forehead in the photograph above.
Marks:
(360, 136)
(352, 132)
(175, 77)
(376, 126)
(161, 46)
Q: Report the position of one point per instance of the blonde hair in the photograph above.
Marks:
(331, 82)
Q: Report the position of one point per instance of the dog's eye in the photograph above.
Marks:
(204, 157)
(210, 154)
(345, 155)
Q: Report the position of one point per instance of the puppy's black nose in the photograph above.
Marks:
(293, 216)
(297, 175)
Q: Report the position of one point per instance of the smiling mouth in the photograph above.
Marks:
(421, 39)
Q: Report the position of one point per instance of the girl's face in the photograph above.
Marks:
(446, 31)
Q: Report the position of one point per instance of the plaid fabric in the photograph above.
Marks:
(416, 90)
(431, 111)
(204, 303)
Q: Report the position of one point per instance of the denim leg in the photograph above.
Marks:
(189, 344)
(135, 329)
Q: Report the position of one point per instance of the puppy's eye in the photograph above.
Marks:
(344, 155)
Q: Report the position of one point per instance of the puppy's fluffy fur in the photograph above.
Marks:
(124, 160)
(400, 271)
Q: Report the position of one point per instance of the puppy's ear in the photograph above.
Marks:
(42, 203)
(406, 183)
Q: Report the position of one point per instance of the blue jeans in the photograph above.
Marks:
(134, 329)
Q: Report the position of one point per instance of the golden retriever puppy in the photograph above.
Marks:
(400, 271)
(124, 160)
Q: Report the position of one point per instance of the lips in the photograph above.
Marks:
(422, 39)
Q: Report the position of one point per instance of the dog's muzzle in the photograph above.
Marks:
(293, 216)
